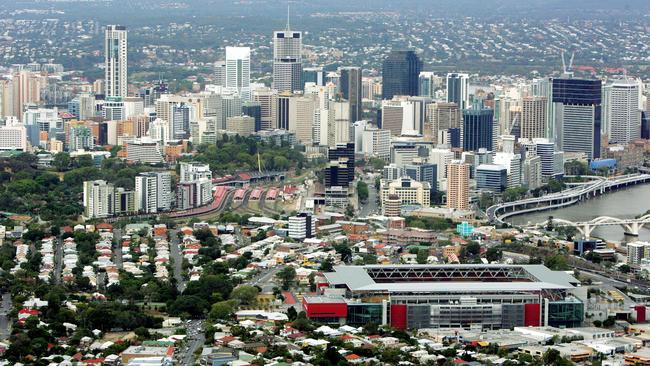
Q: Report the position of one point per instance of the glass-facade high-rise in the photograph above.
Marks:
(458, 89)
(578, 116)
(478, 128)
(350, 85)
(400, 73)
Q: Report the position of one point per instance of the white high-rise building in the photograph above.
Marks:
(287, 60)
(194, 171)
(153, 192)
(115, 54)
(621, 113)
(238, 71)
(13, 136)
(302, 226)
(98, 199)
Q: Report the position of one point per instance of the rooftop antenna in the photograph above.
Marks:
(288, 16)
(567, 70)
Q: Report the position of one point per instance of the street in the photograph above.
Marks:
(176, 255)
(266, 279)
(5, 324)
(195, 339)
(117, 249)
(58, 261)
(370, 207)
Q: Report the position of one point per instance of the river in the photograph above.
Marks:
(625, 203)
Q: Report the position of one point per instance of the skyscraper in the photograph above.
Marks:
(400, 73)
(427, 84)
(458, 185)
(268, 99)
(442, 116)
(253, 109)
(238, 71)
(116, 69)
(350, 86)
(153, 192)
(534, 117)
(287, 60)
(98, 199)
(577, 105)
(478, 128)
(458, 89)
(621, 113)
(180, 121)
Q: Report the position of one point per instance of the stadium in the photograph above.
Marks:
(471, 296)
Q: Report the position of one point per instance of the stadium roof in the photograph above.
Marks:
(446, 278)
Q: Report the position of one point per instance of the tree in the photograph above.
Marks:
(377, 163)
(344, 251)
(61, 161)
(287, 275)
(493, 254)
(551, 356)
(222, 310)
(422, 256)
(326, 265)
(292, 314)
(557, 262)
(362, 191)
(244, 294)
(485, 200)
(625, 268)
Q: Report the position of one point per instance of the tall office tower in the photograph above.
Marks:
(301, 117)
(220, 72)
(86, 106)
(268, 99)
(400, 72)
(282, 115)
(314, 75)
(253, 109)
(153, 192)
(533, 117)
(478, 128)
(442, 116)
(578, 117)
(427, 82)
(115, 55)
(238, 71)
(350, 88)
(287, 60)
(621, 113)
(458, 185)
(341, 170)
(645, 125)
(401, 116)
(113, 109)
(180, 121)
(338, 125)
(420, 105)
(98, 199)
(458, 89)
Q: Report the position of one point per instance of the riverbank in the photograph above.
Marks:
(625, 203)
